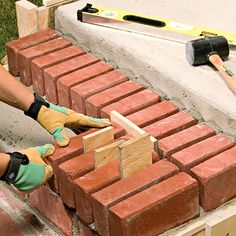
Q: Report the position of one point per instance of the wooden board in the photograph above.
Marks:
(222, 227)
(130, 127)
(55, 2)
(98, 139)
(107, 153)
(27, 18)
(43, 18)
(195, 229)
(135, 155)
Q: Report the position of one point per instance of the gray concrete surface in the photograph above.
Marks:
(161, 64)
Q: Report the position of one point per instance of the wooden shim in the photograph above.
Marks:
(98, 139)
(27, 18)
(195, 229)
(107, 154)
(135, 155)
(130, 127)
(225, 226)
(43, 18)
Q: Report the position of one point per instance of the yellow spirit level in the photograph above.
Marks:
(157, 27)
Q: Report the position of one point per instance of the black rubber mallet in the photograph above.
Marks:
(214, 50)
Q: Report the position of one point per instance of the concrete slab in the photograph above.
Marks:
(161, 64)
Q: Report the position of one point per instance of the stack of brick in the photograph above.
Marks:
(197, 166)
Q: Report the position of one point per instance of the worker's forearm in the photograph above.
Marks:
(13, 92)
(4, 159)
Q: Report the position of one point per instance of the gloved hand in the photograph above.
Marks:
(54, 118)
(26, 169)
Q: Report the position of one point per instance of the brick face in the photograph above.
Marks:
(41, 63)
(95, 103)
(123, 189)
(65, 83)
(200, 152)
(26, 56)
(52, 74)
(132, 103)
(50, 205)
(175, 198)
(81, 92)
(15, 46)
(217, 179)
(184, 139)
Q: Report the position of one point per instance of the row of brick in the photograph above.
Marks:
(130, 206)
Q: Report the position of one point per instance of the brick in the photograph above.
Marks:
(153, 113)
(84, 230)
(163, 206)
(63, 154)
(81, 92)
(132, 103)
(95, 103)
(65, 83)
(51, 206)
(200, 152)
(184, 139)
(125, 188)
(41, 63)
(170, 125)
(27, 55)
(92, 182)
(52, 74)
(70, 170)
(217, 179)
(14, 47)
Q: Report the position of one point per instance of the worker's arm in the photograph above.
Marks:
(26, 169)
(53, 118)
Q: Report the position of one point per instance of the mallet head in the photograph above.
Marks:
(198, 51)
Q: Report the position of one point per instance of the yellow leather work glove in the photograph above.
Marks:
(27, 170)
(54, 118)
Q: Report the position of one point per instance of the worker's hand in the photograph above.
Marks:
(54, 118)
(27, 170)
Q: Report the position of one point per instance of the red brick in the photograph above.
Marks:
(27, 55)
(66, 82)
(84, 230)
(132, 103)
(81, 92)
(200, 152)
(170, 125)
(163, 206)
(70, 170)
(52, 74)
(74, 168)
(94, 181)
(51, 206)
(217, 179)
(43, 62)
(63, 154)
(125, 188)
(153, 113)
(184, 139)
(95, 103)
(14, 46)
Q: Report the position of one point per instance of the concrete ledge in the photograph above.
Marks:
(161, 64)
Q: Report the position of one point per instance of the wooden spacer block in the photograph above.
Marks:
(135, 154)
(107, 153)
(98, 139)
(43, 18)
(130, 127)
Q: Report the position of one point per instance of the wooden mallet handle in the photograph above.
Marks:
(226, 73)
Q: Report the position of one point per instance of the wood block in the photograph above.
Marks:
(135, 155)
(130, 127)
(195, 229)
(43, 18)
(220, 227)
(98, 139)
(107, 154)
(27, 18)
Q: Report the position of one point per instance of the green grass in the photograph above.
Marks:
(8, 25)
